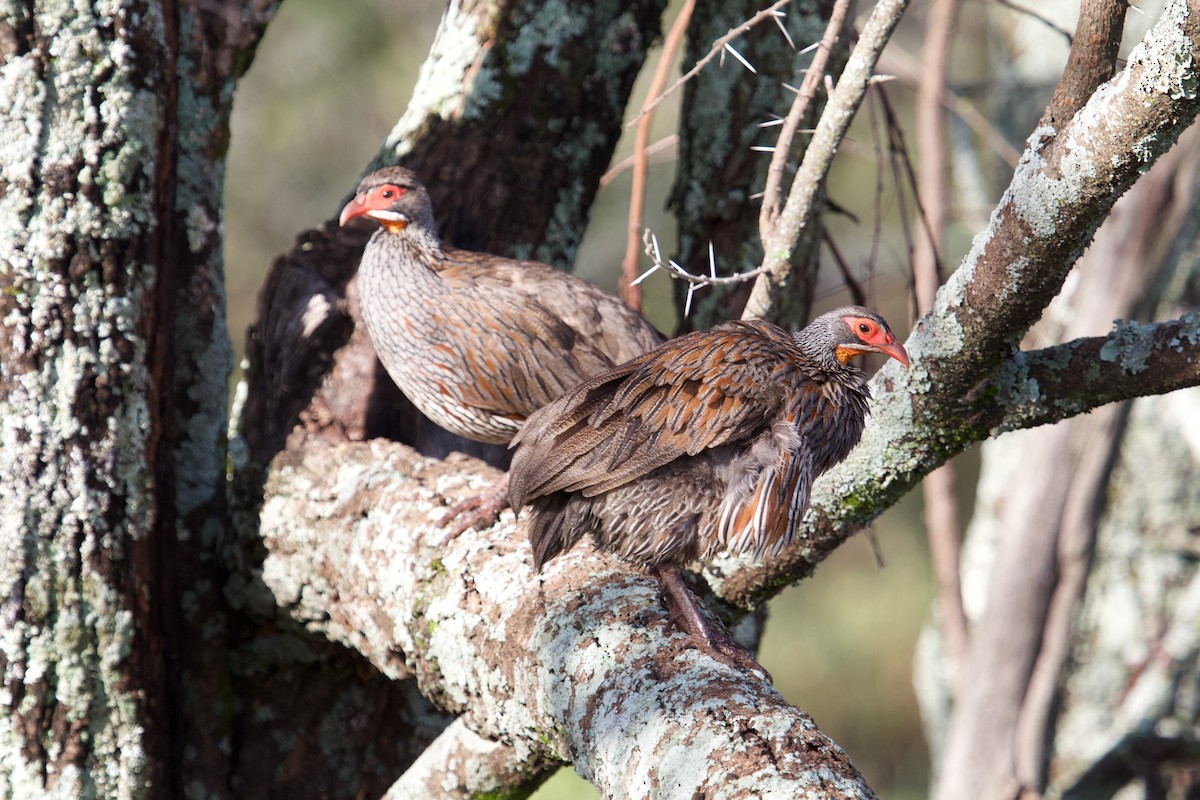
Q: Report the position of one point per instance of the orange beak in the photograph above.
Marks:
(894, 350)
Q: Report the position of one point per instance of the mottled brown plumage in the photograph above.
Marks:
(707, 443)
(478, 342)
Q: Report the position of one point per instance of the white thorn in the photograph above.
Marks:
(762, 148)
(811, 47)
(739, 57)
(778, 16)
(712, 259)
(687, 306)
(645, 275)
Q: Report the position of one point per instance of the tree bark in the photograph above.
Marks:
(579, 663)
(1041, 508)
(113, 407)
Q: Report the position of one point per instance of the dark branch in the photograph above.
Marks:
(1135, 360)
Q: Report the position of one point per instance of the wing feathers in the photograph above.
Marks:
(695, 393)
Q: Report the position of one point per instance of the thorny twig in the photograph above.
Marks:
(671, 268)
(641, 164)
(801, 207)
(791, 125)
(719, 47)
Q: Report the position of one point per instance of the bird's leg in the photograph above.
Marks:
(688, 616)
(486, 507)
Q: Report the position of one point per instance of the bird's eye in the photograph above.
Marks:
(864, 327)
(388, 194)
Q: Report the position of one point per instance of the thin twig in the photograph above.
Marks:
(641, 164)
(614, 172)
(897, 59)
(717, 49)
(1049, 23)
(695, 282)
(903, 169)
(857, 294)
(679, 273)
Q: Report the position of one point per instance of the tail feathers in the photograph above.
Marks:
(554, 528)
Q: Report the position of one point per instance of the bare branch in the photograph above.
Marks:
(665, 143)
(695, 282)
(1049, 23)
(898, 60)
(772, 193)
(938, 488)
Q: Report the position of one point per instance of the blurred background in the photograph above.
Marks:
(330, 80)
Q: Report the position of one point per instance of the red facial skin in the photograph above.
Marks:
(874, 338)
(376, 204)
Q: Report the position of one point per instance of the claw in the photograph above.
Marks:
(486, 507)
(687, 615)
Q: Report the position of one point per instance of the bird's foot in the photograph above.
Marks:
(713, 640)
(481, 510)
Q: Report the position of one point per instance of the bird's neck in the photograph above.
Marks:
(410, 257)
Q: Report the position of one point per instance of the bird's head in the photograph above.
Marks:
(853, 331)
(394, 198)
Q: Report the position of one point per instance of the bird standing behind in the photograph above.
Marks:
(708, 443)
(476, 341)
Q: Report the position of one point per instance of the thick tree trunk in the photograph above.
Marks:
(113, 405)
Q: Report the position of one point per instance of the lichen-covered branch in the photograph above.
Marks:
(1065, 185)
(1135, 360)
(461, 764)
(579, 663)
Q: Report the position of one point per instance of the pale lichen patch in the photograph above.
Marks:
(1129, 345)
(1166, 57)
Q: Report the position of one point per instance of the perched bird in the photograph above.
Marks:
(476, 341)
(708, 443)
